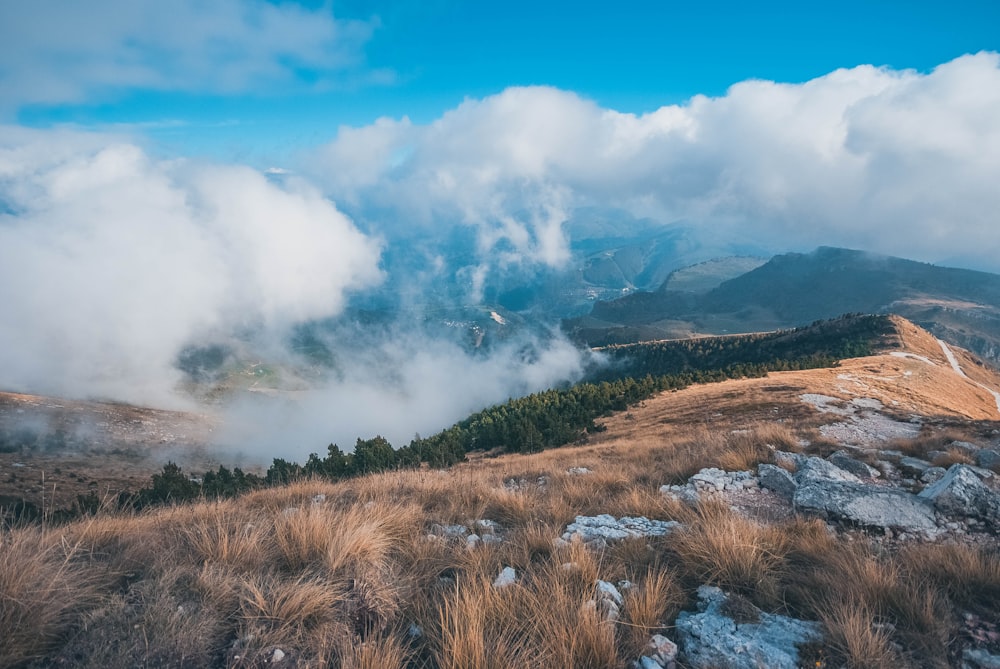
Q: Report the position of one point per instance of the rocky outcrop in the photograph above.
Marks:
(962, 492)
(868, 505)
(776, 479)
(599, 530)
(843, 460)
(712, 639)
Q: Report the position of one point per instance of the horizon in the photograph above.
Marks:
(196, 175)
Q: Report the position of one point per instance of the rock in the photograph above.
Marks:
(710, 479)
(606, 527)
(277, 656)
(606, 590)
(866, 504)
(473, 541)
(818, 469)
(449, 531)
(913, 466)
(415, 631)
(710, 639)
(318, 499)
(787, 460)
(506, 578)
(961, 492)
(892, 456)
(988, 458)
(776, 479)
(932, 475)
(843, 460)
(963, 447)
(660, 650)
(577, 471)
(486, 526)
(980, 659)
(646, 662)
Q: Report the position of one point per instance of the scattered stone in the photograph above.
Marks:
(486, 526)
(607, 590)
(415, 631)
(473, 541)
(913, 466)
(818, 469)
(787, 460)
(506, 578)
(961, 492)
(890, 455)
(449, 531)
(932, 475)
(988, 458)
(843, 460)
(277, 656)
(963, 447)
(577, 471)
(606, 527)
(776, 479)
(318, 499)
(979, 659)
(661, 650)
(710, 639)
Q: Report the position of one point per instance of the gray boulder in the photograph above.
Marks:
(843, 460)
(961, 492)
(776, 479)
(913, 466)
(606, 527)
(711, 639)
(866, 504)
(988, 458)
(818, 469)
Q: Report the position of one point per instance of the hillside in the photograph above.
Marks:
(960, 306)
(836, 509)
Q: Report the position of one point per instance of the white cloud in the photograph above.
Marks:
(55, 51)
(111, 262)
(897, 162)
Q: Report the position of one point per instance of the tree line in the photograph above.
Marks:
(547, 419)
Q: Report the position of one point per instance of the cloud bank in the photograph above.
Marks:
(899, 162)
(111, 262)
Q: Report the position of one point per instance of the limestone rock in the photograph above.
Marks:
(913, 466)
(776, 479)
(606, 527)
(843, 460)
(506, 578)
(988, 458)
(961, 492)
(818, 469)
(710, 639)
(866, 504)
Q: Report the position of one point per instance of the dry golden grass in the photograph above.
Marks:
(338, 580)
(44, 584)
(732, 552)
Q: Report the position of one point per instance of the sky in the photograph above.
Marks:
(188, 172)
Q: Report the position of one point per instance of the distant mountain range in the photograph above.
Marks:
(793, 289)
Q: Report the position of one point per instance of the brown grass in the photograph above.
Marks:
(338, 582)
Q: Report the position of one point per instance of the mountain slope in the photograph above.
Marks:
(960, 306)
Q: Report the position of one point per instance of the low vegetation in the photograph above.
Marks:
(357, 572)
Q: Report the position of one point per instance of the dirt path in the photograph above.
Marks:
(953, 361)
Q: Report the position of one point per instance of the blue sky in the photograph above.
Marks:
(420, 59)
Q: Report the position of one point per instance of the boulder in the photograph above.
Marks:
(711, 639)
(776, 479)
(988, 458)
(866, 504)
(788, 460)
(843, 460)
(913, 466)
(961, 492)
(818, 469)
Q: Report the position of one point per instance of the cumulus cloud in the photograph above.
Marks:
(56, 51)
(899, 162)
(111, 262)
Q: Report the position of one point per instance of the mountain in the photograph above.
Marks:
(960, 306)
(832, 517)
